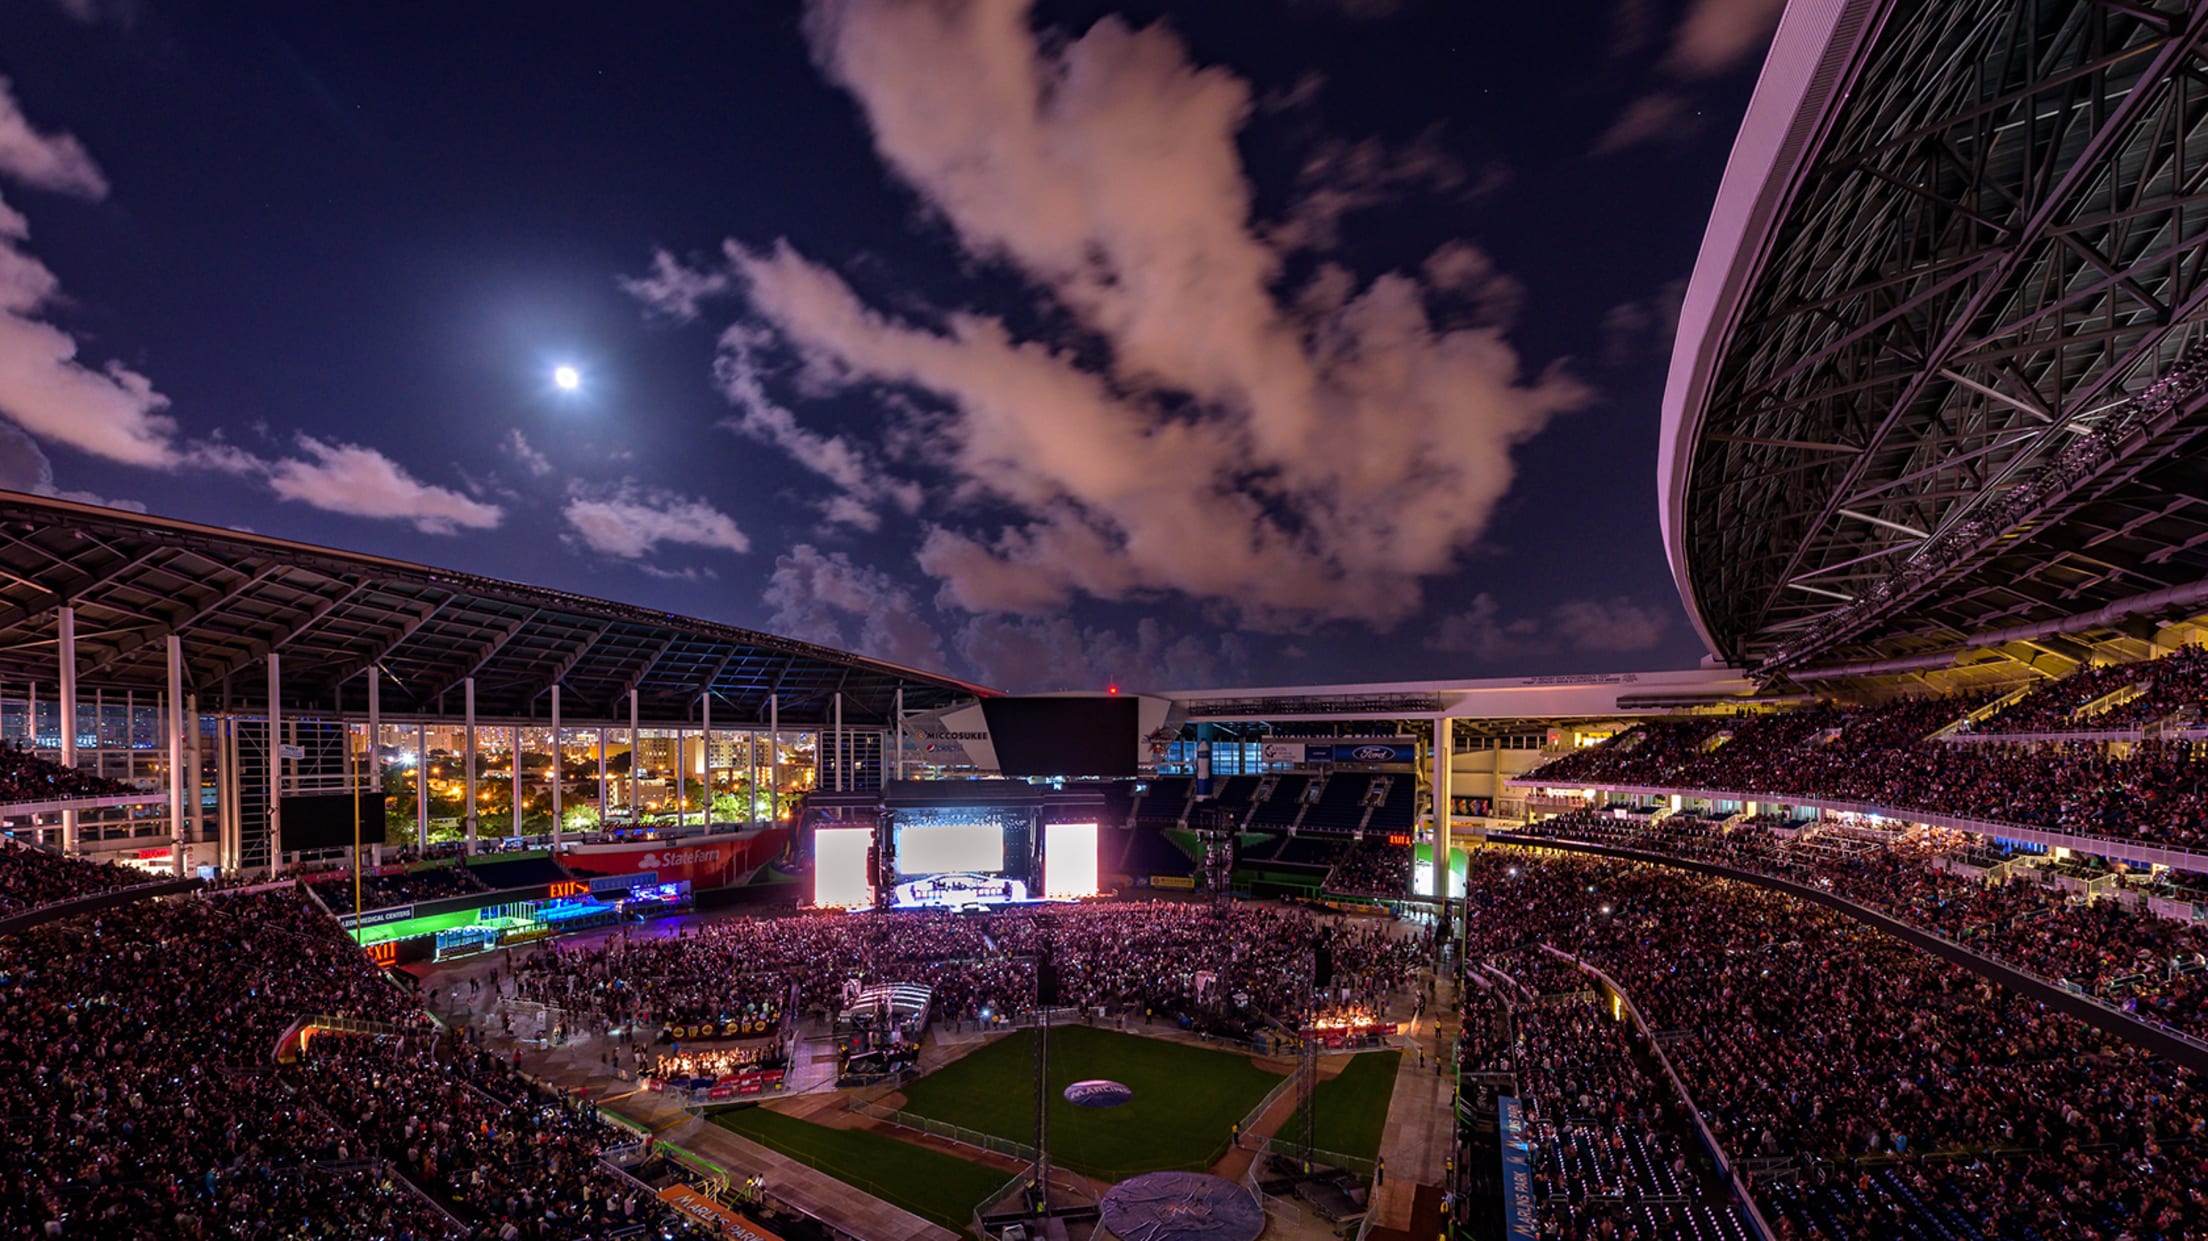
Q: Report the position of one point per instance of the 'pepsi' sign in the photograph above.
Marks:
(1098, 1092)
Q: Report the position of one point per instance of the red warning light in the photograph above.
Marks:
(1113, 690)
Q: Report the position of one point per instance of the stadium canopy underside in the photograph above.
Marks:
(1926, 397)
(234, 598)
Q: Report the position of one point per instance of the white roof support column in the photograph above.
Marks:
(1445, 753)
(774, 758)
(601, 777)
(900, 711)
(172, 724)
(839, 741)
(467, 756)
(421, 785)
(513, 784)
(705, 756)
(375, 729)
(556, 772)
(196, 762)
(275, 764)
(636, 743)
(66, 626)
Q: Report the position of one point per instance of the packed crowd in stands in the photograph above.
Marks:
(1610, 1149)
(510, 1158)
(31, 877)
(428, 884)
(26, 777)
(1136, 957)
(136, 1072)
(2154, 791)
(2112, 945)
(1895, 1094)
(1372, 868)
(2173, 686)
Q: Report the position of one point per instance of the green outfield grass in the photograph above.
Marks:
(1353, 1106)
(1186, 1099)
(938, 1187)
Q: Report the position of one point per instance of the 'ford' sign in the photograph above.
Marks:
(1098, 1093)
(1373, 754)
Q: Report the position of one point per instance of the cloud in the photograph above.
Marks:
(1615, 625)
(113, 412)
(1659, 115)
(110, 411)
(362, 482)
(123, 13)
(24, 466)
(526, 455)
(1464, 271)
(674, 289)
(48, 161)
(1712, 38)
(1354, 10)
(688, 573)
(630, 521)
(825, 598)
(742, 374)
(1033, 654)
(1481, 631)
(1339, 178)
(1194, 431)
(1636, 330)
(1717, 35)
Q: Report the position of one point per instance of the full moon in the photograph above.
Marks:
(567, 378)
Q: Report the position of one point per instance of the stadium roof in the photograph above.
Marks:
(233, 598)
(1493, 698)
(1923, 397)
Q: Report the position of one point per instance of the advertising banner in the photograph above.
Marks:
(376, 917)
(723, 1222)
(1518, 1209)
(1284, 751)
(1362, 752)
(706, 863)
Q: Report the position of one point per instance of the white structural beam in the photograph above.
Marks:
(1445, 754)
(172, 724)
(556, 772)
(66, 626)
(275, 764)
(467, 756)
(421, 785)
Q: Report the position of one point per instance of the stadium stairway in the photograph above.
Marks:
(1421, 1130)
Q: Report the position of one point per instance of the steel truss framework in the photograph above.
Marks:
(236, 598)
(1999, 237)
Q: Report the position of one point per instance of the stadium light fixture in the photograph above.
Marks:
(567, 378)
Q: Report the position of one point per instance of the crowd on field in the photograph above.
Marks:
(1142, 957)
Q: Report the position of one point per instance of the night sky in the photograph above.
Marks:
(1229, 342)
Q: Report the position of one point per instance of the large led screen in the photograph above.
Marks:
(1065, 736)
(1069, 859)
(839, 867)
(938, 848)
